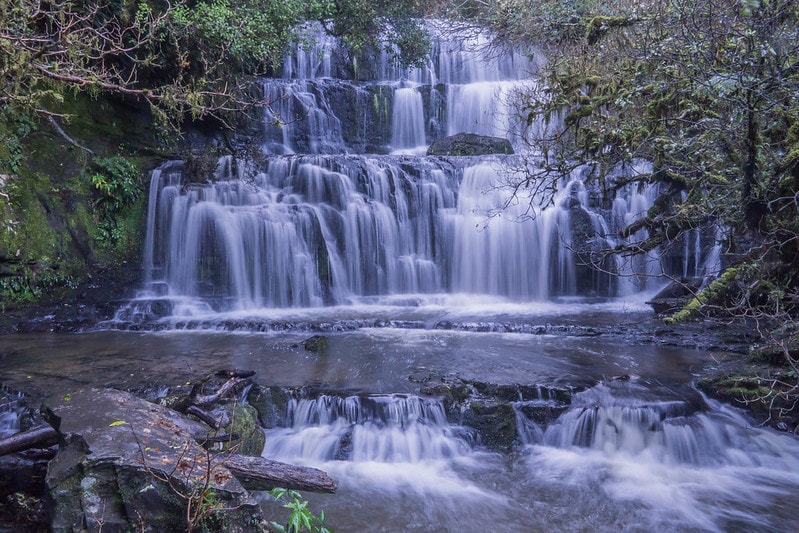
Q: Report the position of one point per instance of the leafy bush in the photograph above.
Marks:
(117, 184)
(301, 518)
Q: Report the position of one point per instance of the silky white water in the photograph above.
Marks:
(613, 461)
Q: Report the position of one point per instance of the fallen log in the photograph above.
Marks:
(204, 416)
(228, 387)
(259, 473)
(41, 436)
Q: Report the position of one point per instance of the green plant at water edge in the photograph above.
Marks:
(301, 518)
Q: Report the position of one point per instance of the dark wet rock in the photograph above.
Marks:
(514, 393)
(495, 423)
(270, 403)
(240, 420)
(490, 408)
(317, 343)
(467, 144)
(21, 474)
(594, 269)
(453, 394)
(675, 295)
(116, 454)
(766, 398)
(542, 413)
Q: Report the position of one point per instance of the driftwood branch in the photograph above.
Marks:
(227, 388)
(204, 416)
(259, 473)
(40, 436)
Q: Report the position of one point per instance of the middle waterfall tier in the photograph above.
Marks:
(306, 231)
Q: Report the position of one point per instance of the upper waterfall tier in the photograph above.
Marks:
(328, 102)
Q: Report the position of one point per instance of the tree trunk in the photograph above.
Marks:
(41, 436)
(259, 473)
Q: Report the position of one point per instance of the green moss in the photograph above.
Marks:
(598, 26)
(711, 293)
(244, 423)
(64, 210)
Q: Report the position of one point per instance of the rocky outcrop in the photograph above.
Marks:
(493, 410)
(127, 464)
(463, 144)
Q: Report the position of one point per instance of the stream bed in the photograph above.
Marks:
(632, 447)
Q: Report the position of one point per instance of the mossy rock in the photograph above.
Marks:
(495, 423)
(316, 344)
(271, 403)
(470, 144)
(242, 420)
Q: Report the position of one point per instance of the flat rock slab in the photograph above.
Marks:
(117, 425)
(470, 144)
(126, 463)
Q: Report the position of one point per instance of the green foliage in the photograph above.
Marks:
(251, 33)
(716, 293)
(184, 58)
(362, 24)
(708, 93)
(117, 183)
(31, 252)
(301, 518)
(544, 23)
(14, 128)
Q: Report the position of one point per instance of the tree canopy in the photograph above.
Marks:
(709, 93)
(182, 57)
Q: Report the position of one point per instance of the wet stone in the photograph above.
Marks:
(127, 464)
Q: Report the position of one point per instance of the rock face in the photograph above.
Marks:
(462, 144)
(127, 464)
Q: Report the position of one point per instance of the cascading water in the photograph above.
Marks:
(318, 230)
(454, 312)
(345, 226)
(386, 429)
(678, 453)
(408, 131)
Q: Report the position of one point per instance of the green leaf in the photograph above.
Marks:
(116, 423)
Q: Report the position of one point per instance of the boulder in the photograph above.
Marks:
(127, 464)
(496, 423)
(675, 295)
(462, 144)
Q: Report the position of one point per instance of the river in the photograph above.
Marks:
(634, 446)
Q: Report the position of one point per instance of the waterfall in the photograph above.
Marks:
(386, 429)
(408, 131)
(328, 219)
